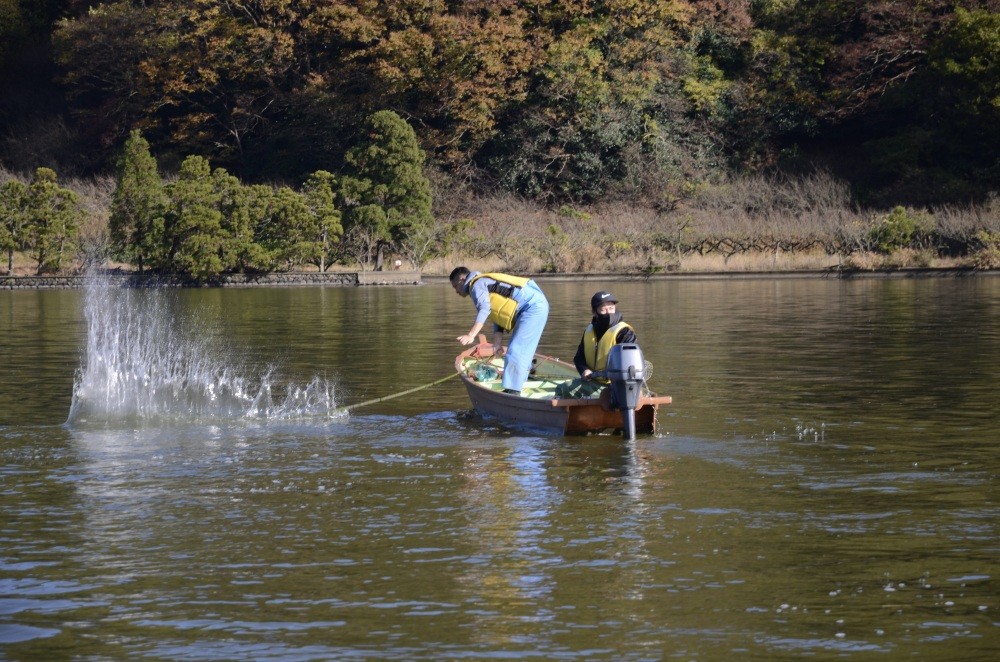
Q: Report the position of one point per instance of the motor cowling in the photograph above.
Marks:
(626, 371)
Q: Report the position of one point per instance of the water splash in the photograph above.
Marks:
(141, 368)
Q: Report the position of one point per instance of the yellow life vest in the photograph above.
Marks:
(502, 306)
(596, 351)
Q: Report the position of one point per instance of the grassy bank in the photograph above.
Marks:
(753, 224)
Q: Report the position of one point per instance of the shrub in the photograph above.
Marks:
(988, 254)
(900, 228)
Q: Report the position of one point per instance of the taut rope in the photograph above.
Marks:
(395, 395)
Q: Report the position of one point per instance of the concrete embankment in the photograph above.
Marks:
(340, 279)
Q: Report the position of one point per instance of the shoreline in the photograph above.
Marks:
(149, 281)
(835, 274)
(384, 278)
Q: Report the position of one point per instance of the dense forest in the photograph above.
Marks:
(665, 113)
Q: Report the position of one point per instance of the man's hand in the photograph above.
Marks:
(467, 339)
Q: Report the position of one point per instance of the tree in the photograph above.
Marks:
(51, 220)
(245, 210)
(12, 29)
(193, 229)
(576, 84)
(101, 55)
(936, 137)
(13, 199)
(456, 67)
(605, 82)
(422, 244)
(323, 229)
(835, 59)
(966, 76)
(386, 195)
(365, 235)
(967, 59)
(289, 219)
(136, 221)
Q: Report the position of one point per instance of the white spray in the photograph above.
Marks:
(140, 368)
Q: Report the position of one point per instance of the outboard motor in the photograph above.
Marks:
(625, 369)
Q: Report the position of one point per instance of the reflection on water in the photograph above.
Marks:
(825, 486)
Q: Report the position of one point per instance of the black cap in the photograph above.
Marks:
(601, 297)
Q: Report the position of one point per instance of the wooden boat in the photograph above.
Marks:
(537, 406)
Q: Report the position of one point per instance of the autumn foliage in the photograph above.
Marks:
(556, 100)
(577, 104)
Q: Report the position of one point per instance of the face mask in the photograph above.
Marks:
(604, 321)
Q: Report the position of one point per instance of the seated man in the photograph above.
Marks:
(606, 329)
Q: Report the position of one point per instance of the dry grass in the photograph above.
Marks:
(747, 224)
(94, 242)
(750, 262)
(23, 265)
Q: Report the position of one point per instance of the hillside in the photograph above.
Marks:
(562, 101)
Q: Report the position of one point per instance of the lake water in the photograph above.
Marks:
(826, 483)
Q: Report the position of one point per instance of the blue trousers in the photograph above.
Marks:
(532, 313)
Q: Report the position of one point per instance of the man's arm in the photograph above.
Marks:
(481, 297)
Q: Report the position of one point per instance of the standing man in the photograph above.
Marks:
(607, 329)
(513, 304)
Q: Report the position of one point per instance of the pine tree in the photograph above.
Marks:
(386, 194)
(289, 218)
(193, 230)
(136, 221)
(245, 210)
(51, 221)
(324, 228)
(13, 199)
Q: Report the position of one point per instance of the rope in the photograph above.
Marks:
(341, 410)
